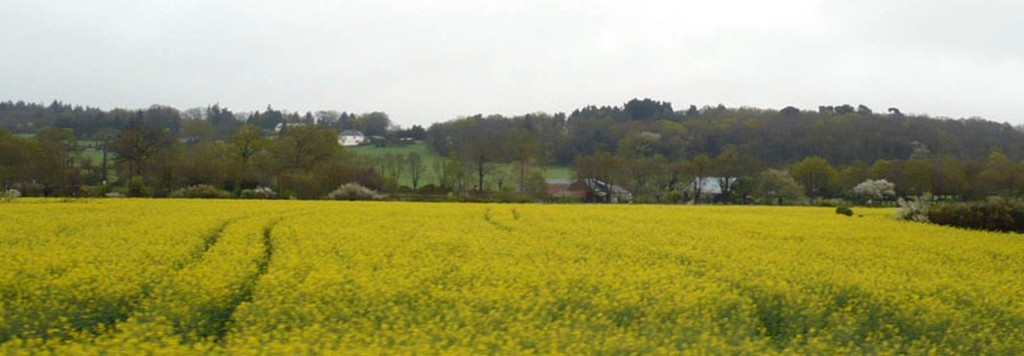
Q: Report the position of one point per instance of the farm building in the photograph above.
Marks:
(565, 189)
(588, 190)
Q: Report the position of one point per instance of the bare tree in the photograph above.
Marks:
(416, 168)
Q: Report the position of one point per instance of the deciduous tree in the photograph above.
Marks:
(815, 174)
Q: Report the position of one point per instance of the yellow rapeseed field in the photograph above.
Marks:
(248, 277)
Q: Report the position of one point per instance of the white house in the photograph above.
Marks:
(351, 138)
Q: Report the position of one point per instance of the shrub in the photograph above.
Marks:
(844, 210)
(200, 191)
(258, 193)
(995, 214)
(915, 209)
(353, 191)
(828, 203)
(137, 187)
(93, 190)
(11, 194)
(29, 189)
(673, 197)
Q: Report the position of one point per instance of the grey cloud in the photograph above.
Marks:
(425, 61)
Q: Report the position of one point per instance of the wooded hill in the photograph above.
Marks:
(654, 151)
(840, 134)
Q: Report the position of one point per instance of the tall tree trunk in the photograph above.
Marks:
(522, 176)
(480, 173)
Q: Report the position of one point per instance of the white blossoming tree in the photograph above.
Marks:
(872, 191)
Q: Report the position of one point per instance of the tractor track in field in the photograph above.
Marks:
(119, 311)
(222, 326)
(497, 224)
(219, 319)
(196, 257)
(209, 241)
(220, 316)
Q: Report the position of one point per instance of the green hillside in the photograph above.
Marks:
(430, 158)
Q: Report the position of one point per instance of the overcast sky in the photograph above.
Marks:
(425, 61)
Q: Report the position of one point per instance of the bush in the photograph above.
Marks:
(829, 203)
(844, 210)
(11, 194)
(200, 191)
(995, 214)
(915, 209)
(258, 193)
(137, 187)
(673, 197)
(353, 191)
(94, 191)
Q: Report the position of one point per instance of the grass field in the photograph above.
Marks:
(95, 154)
(180, 276)
(429, 157)
(559, 172)
(93, 151)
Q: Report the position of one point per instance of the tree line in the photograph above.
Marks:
(211, 122)
(155, 151)
(745, 154)
(657, 153)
